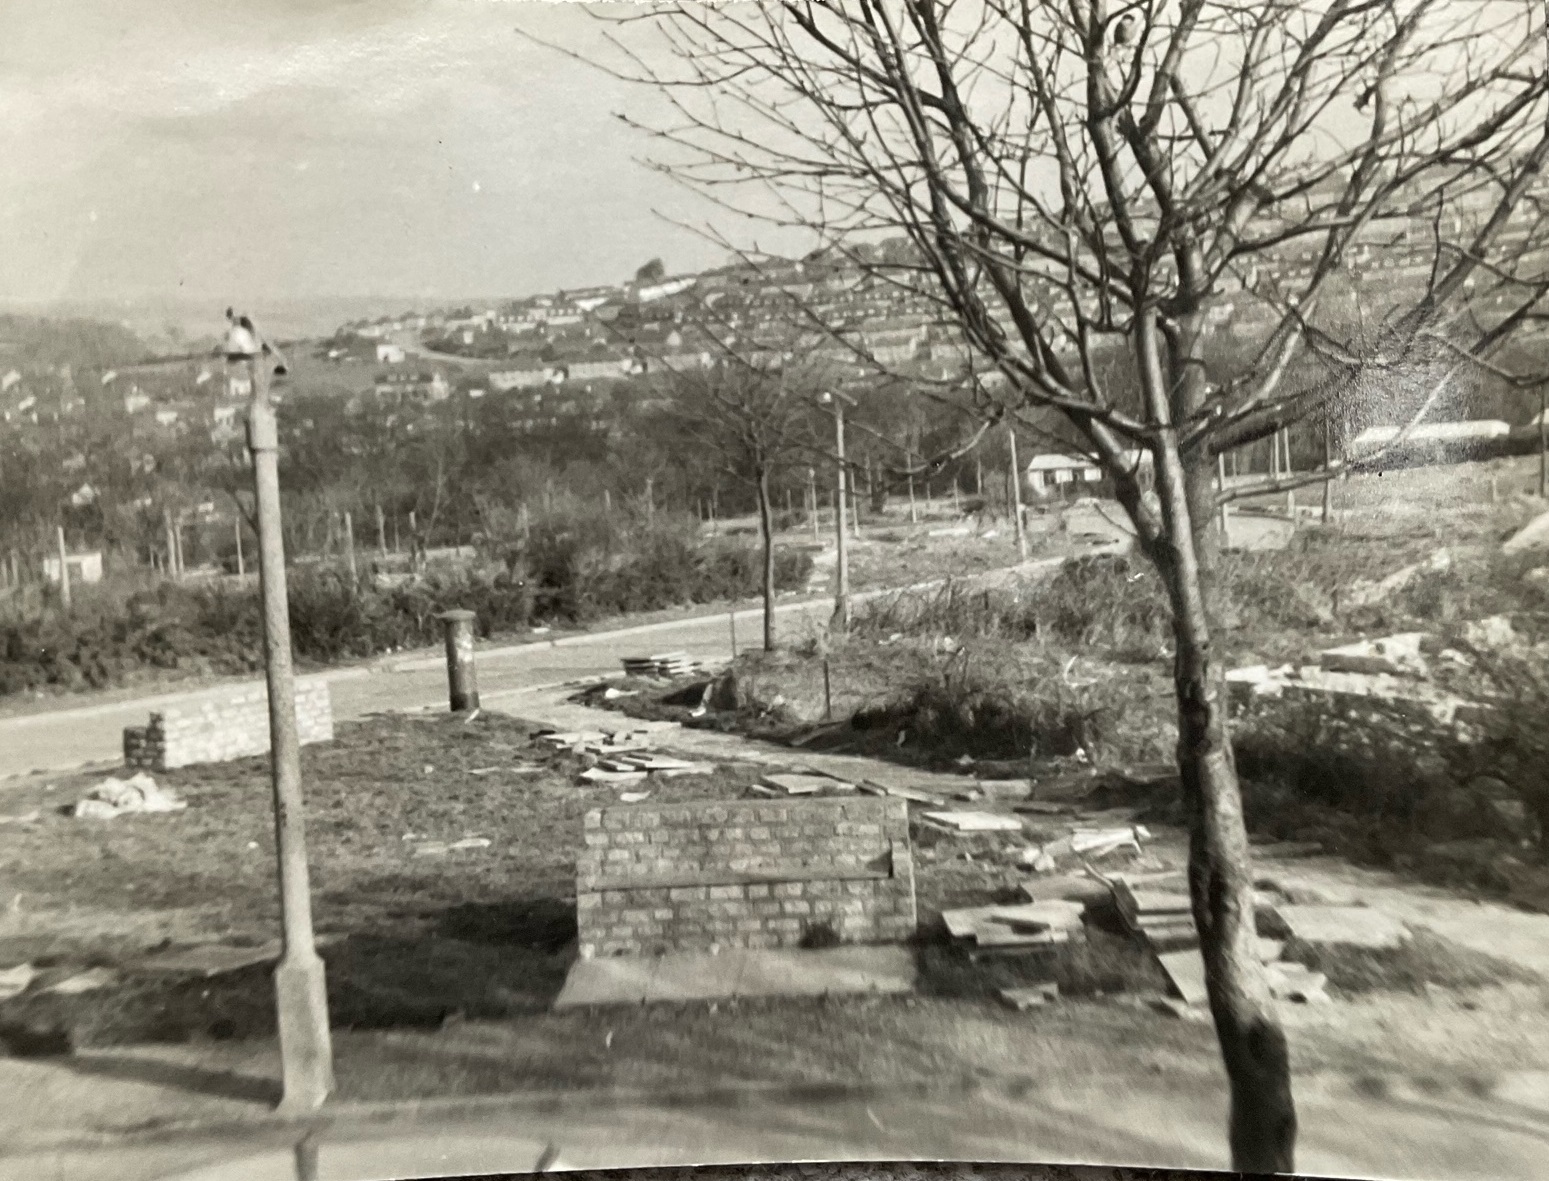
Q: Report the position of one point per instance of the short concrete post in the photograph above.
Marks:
(461, 679)
(64, 567)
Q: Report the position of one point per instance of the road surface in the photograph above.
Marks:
(1346, 1130)
(73, 737)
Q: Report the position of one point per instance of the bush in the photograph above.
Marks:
(574, 572)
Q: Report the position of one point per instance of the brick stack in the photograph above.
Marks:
(228, 725)
(745, 873)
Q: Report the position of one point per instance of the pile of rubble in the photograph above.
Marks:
(118, 797)
(619, 757)
(665, 665)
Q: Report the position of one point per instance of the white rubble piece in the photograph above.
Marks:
(1352, 926)
(1186, 971)
(1490, 633)
(1022, 999)
(1037, 926)
(117, 797)
(665, 664)
(599, 775)
(1259, 684)
(1396, 655)
(1290, 981)
(900, 791)
(1364, 593)
(1084, 844)
(90, 980)
(207, 960)
(801, 784)
(1533, 535)
(964, 822)
(14, 981)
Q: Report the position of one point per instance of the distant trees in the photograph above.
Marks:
(754, 418)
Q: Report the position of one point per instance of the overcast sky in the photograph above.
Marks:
(276, 149)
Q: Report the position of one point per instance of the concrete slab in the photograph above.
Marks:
(1354, 926)
(738, 972)
(1186, 970)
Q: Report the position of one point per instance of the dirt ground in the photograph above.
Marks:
(441, 968)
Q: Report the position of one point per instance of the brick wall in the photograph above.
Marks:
(229, 725)
(744, 873)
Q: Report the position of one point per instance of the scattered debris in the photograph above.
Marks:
(14, 981)
(88, 981)
(1022, 999)
(633, 797)
(1396, 655)
(1084, 844)
(974, 821)
(1533, 535)
(471, 843)
(1176, 1008)
(31, 817)
(432, 849)
(612, 694)
(208, 959)
(598, 775)
(483, 770)
(116, 797)
(1034, 927)
(912, 794)
(1290, 981)
(1353, 926)
(799, 784)
(667, 664)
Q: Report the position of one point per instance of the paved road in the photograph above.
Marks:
(91, 734)
(88, 734)
(1346, 1131)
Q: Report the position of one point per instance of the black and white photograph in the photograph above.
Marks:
(853, 584)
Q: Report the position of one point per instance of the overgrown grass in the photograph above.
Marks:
(1424, 959)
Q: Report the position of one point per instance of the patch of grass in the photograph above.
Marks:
(1425, 958)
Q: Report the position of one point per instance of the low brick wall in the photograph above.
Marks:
(754, 873)
(230, 725)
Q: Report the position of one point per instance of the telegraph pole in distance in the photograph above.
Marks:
(301, 997)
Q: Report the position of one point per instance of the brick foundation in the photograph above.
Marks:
(230, 725)
(743, 873)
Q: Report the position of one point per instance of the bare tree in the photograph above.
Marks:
(1080, 181)
(753, 417)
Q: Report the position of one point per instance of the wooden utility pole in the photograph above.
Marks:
(64, 568)
(812, 501)
(236, 527)
(841, 618)
(1543, 440)
(1225, 508)
(1328, 479)
(1290, 495)
(381, 532)
(171, 566)
(349, 548)
(306, 1048)
(650, 498)
(1016, 491)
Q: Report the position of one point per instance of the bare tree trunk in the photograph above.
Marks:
(1262, 1126)
(766, 534)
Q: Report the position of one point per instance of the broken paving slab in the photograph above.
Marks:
(1290, 981)
(1351, 926)
(599, 775)
(14, 981)
(1396, 655)
(964, 822)
(1186, 971)
(801, 784)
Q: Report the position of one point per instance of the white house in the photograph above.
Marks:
(83, 568)
(1048, 471)
(389, 354)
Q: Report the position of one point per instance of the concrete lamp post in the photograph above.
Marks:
(301, 997)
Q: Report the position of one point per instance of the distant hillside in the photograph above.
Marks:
(32, 343)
